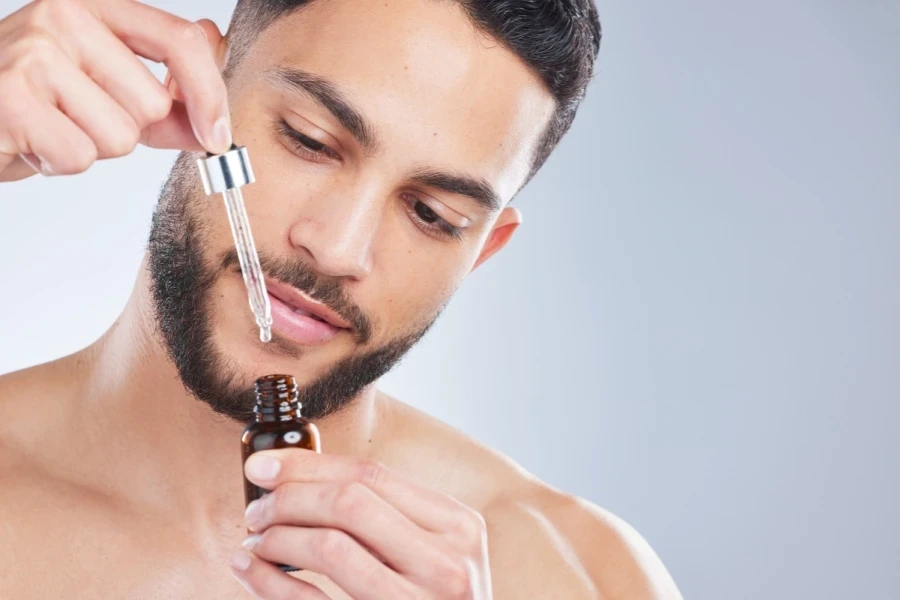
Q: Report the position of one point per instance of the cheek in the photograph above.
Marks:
(214, 230)
(413, 290)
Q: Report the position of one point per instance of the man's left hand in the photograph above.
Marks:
(374, 533)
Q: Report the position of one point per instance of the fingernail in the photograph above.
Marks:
(221, 135)
(262, 468)
(251, 542)
(254, 511)
(46, 169)
(240, 560)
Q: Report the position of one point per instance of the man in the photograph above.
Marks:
(387, 139)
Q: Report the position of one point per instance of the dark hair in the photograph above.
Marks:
(558, 39)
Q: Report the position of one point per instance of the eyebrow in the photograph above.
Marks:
(475, 188)
(326, 93)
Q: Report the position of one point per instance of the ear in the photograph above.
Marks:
(217, 45)
(504, 228)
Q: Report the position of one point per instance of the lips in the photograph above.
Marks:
(300, 318)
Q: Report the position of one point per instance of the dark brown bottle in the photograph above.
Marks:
(278, 424)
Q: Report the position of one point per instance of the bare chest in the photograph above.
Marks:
(80, 555)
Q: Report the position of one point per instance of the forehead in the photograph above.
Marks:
(436, 90)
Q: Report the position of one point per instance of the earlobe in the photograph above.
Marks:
(506, 225)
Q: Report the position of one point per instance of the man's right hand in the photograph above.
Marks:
(72, 89)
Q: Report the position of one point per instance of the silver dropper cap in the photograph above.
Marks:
(227, 171)
(226, 174)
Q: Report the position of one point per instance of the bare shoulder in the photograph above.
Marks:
(542, 539)
(55, 525)
(543, 543)
(32, 412)
(34, 419)
(23, 480)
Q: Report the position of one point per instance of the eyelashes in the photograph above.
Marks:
(426, 218)
(306, 145)
(419, 212)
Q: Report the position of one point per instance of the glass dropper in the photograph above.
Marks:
(226, 174)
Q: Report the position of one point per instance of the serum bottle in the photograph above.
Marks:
(277, 424)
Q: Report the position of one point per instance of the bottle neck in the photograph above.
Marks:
(268, 411)
(276, 399)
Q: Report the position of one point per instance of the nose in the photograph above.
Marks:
(337, 233)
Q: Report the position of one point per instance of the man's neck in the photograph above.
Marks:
(171, 450)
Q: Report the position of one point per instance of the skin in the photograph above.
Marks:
(118, 483)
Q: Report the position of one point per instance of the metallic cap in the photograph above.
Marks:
(227, 171)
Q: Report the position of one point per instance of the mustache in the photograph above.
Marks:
(327, 290)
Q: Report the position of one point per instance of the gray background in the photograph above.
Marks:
(696, 327)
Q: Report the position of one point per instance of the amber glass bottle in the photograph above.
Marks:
(278, 424)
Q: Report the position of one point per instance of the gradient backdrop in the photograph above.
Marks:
(696, 327)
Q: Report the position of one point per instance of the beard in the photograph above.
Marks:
(181, 288)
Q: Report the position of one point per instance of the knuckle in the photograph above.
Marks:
(77, 161)
(60, 7)
(370, 473)
(193, 35)
(153, 108)
(42, 11)
(35, 49)
(81, 161)
(125, 140)
(57, 13)
(333, 547)
(349, 499)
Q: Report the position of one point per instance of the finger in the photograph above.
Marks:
(36, 129)
(334, 554)
(426, 508)
(19, 168)
(61, 146)
(183, 47)
(215, 39)
(172, 87)
(114, 67)
(357, 510)
(268, 582)
(109, 126)
(173, 132)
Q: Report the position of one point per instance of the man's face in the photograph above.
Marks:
(386, 138)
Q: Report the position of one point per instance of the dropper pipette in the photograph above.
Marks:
(226, 174)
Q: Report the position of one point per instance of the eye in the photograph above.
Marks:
(305, 145)
(429, 221)
(424, 211)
